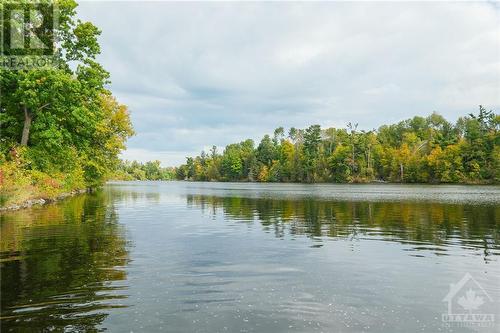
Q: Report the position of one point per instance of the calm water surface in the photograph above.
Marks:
(225, 257)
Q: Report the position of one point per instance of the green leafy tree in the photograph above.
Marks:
(232, 165)
(63, 120)
(312, 139)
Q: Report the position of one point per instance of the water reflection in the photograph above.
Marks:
(221, 257)
(62, 265)
(426, 226)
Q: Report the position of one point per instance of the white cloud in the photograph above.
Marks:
(167, 158)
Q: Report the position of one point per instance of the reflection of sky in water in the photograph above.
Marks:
(245, 257)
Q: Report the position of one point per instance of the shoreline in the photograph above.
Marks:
(44, 201)
(373, 182)
(41, 201)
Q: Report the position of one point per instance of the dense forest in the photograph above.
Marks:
(417, 150)
(61, 128)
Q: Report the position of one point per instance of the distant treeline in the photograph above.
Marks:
(417, 150)
(143, 171)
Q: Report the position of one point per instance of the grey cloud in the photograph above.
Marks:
(197, 74)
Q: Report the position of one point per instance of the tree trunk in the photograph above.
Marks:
(353, 158)
(402, 171)
(368, 165)
(27, 125)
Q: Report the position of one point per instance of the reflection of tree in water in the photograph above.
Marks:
(123, 194)
(416, 223)
(62, 271)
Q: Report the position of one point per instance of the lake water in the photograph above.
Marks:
(226, 257)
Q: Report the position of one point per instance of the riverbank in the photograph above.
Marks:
(41, 201)
(355, 182)
(22, 186)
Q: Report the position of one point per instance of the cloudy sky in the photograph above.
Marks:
(201, 74)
